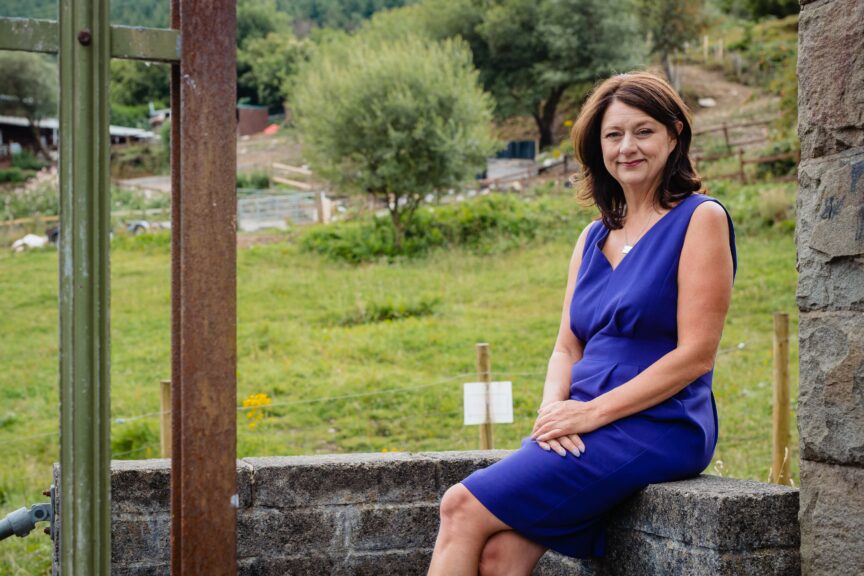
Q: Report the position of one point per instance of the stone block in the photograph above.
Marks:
(392, 526)
(831, 391)
(144, 484)
(142, 539)
(710, 512)
(832, 524)
(453, 467)
(554, 564)
(831, 77)
(268, 532)
(342, 479)
(390, 563)
(302, 565)
(141, 570)
(630, 553)
(830, 233)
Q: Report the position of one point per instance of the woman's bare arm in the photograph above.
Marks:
(704, 294)
(567, 351)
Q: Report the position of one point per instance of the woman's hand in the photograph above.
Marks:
(564, 444)
(561, 423)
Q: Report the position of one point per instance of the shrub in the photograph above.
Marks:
(13, 175)
(483, 224)
(27, 161)
(253, 180)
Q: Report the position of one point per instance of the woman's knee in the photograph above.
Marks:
(455, 504)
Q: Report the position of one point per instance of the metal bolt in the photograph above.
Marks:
(84, 37)
(46, 493)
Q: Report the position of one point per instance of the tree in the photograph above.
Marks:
(398, 120)
(270, 64)
(29, 87)
(671, 24)
(528, 52)
(136, 83)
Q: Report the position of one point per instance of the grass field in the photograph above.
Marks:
(339, 383)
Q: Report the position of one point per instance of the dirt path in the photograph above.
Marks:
(735, 104)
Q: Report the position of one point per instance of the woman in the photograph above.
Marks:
(627, 400)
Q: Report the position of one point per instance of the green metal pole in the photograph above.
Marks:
(85, 449)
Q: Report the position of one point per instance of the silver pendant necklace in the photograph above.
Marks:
(627, 246)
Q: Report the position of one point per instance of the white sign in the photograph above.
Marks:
(500, 402)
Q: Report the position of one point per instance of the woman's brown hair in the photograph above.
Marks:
(656, 98)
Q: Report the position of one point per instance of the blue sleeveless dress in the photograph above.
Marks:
(626, 318)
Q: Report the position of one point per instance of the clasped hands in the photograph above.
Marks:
(559, 424)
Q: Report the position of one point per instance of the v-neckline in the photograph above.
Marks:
(605, 236)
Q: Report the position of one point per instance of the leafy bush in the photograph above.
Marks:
(134, 441)
(38, 196)
(388, 311)
(253, 180)
(483, 224)
(27, 161)
(13, 175)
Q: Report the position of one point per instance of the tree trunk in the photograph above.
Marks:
(546, 118)
(41, 147)
(398, 225)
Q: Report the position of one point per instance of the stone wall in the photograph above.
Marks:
(377, 514)
(830, 239)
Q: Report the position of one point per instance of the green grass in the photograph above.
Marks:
(384, 383)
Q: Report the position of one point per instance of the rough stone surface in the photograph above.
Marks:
(389, 526)
(743, 513)
(830, 232)
(650, 555)
(831, 396)
(704, 526)
(283, 532)
(348, 479)
(832, 522)
(830, 77)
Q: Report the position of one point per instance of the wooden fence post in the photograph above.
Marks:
(780, 460)
(484, 373)
(741, 174)
(165, 418)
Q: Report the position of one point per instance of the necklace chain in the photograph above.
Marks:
(627, 246)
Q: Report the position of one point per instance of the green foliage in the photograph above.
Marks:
(757, 9)
(13, 175)
(36, 197)
(341, 14)
(389, 310)
(482, 225)
(528, 53)
(137, 83)
(253, 180)
(671, 23)
(27, 161)
(130, 116)
(134, 441)
(29, 85)
(269, 66)
(399, 120)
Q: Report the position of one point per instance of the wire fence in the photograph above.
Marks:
(441, 416)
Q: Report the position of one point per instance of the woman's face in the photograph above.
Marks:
(635, 147)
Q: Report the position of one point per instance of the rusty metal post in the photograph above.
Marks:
(203, 471)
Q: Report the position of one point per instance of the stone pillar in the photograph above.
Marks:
(830, 239)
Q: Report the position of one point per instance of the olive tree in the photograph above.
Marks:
(29, 87)
(396, 119)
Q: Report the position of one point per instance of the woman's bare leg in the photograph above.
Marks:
(466, 525)
(508, 553)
